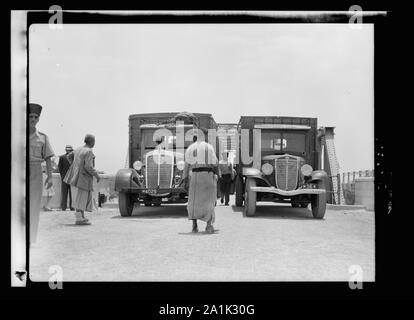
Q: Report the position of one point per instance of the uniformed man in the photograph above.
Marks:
(200, 174)
(40, 150)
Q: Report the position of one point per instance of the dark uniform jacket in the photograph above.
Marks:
(64, 164)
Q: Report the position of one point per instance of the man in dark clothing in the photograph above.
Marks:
(65, 162)
(226, 177)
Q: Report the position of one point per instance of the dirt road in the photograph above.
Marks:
(156, 244)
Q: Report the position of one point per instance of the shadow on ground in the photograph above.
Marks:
(200, 233)
(110, 205)
(168, 211)
(277, 211)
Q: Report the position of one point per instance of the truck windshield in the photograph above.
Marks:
(170, 141)
(277, 141)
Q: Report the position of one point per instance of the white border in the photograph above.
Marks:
(18, 146)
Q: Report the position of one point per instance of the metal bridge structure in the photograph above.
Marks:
(331, 166)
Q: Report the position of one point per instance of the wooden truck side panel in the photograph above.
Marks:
(136, 120)
(248, 122)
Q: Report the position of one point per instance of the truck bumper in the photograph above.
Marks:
(153, 192)
(287, 193)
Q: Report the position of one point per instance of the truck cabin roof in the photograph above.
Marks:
(164, 115)
(276, 122)
(163, 125)
(170, 119)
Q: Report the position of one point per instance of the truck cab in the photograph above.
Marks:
(285, 166)
(156, 159)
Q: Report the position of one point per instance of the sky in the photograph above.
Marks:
(90, 78)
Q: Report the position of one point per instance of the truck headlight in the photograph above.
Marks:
(137, 165)
(306, 170)
(267, 168)
(180, 165)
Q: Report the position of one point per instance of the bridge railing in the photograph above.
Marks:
(348, 183)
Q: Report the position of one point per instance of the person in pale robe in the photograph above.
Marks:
(80, 175)
(201, 175)
(47, 194)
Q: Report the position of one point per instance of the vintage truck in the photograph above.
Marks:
(154, 174)
(285, 166)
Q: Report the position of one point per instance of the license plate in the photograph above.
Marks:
(151, 191)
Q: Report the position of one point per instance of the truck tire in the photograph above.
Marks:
(126, 204)
(318, 203)
(249, 198)
(239, 191)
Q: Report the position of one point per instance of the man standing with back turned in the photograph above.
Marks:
(64, 164)
(200, 173)
(226, 176)
(80, 175)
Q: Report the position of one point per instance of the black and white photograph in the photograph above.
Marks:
(193, 152)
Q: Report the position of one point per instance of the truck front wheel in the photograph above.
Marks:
(239, 191)
(126, 204)
(250, 198)
(318, 203)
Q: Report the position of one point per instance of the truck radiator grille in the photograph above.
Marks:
(159, 173)
(286, 173)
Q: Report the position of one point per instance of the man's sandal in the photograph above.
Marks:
(210, 229)
(82, 222)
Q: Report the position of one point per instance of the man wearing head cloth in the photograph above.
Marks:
(39, 151)
(201, 175)
(65, 161)
(80, 175)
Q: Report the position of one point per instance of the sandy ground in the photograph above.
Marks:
(156, 244)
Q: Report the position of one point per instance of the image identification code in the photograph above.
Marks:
(226, 309)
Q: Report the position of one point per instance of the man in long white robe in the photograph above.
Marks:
(200, 170)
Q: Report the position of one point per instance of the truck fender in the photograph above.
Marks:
(250, 172)
(320, 175)
(124, 179)
(256, 174)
